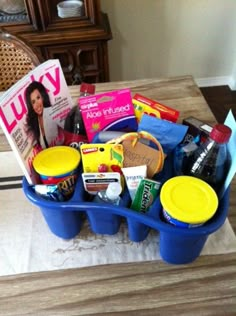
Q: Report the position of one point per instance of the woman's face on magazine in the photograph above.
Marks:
(37, 102)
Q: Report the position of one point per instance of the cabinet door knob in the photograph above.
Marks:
(77, 76)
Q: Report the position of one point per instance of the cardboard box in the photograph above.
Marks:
(110, 111)
(143, 105)
(196, 127)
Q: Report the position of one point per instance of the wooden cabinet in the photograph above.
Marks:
(77, 38)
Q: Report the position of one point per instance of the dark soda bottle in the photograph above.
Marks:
(74, 129)
(86, 89)
(211, 161)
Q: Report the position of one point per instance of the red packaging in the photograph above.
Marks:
(148, 106)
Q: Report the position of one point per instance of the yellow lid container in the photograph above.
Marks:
(56, 161)
(188, 199)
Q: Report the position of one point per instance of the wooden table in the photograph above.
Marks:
(205, 287)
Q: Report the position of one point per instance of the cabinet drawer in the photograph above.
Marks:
(80, 62)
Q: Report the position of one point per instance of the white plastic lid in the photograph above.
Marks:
(113, 190)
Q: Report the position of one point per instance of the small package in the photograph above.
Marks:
(102, 157)
(111, 111)
(49, 192)
(145, 195)
(133, 176)
(153, 108)
(95, 182)
(196, 128)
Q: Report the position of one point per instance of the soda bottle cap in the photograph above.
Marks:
(220, 133)
(87, 88)
(113, 190)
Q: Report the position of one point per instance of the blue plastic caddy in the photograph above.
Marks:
(177, 245)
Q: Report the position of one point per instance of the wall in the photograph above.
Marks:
(161, 38)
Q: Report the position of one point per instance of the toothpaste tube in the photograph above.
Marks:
(133, 176)
(146, 194)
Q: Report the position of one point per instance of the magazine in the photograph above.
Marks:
(33, 114)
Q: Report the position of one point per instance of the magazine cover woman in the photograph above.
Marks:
(39, 123)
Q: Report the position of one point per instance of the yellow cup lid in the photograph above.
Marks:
(56, 161)
(189, 199)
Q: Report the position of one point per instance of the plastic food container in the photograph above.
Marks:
(187, 201)
(58, 165)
